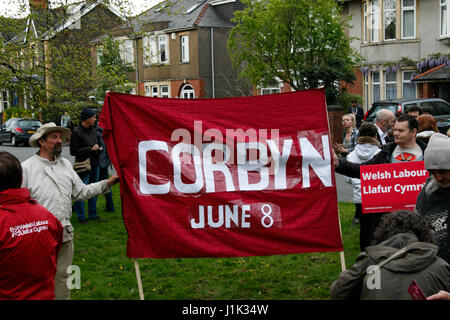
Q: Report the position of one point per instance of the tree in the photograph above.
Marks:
(111, 73)
(301, 42)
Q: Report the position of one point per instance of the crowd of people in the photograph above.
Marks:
(38, 196)
(424, 232)
(36, 208)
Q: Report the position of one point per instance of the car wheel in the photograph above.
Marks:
(14, 141)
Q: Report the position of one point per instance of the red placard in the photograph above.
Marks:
(224, 177)
(391, 187)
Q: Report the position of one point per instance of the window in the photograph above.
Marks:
(375, 86)
(155, 49)
(126, 51)
(164, 91)
(366, 88)
(445, 18)
(5, 99)
(270, 90)
(163, 49)
(409, 89)
(187, 92)
(365, 21)
(155, 91)
(409, 19)
(374, 21)
(391, 85)
(99, 51)
(436, 108)
(184, 48)
(147, 90)
(153, 53)
(389, 19)
(383, 14)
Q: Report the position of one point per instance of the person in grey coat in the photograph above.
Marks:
(403, 251)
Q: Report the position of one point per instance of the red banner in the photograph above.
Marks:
(224, 177)
(391, 187)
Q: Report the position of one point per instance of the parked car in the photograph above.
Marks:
(438, 108)
(18, 130)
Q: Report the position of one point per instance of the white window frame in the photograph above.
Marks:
(446, 4)
(184, 44)
(408, 82)
(164, 94)
(365, 21)
(384, 19)
(147, 90)
(126, 51)
(375, 16)
(153, 51)
(5, 103)
(154, 92)
(376, 84)
(270, 90)
(390, 83)
(163, 40)
(405, 9)
(99, 53)
(366, 88)
(187, 91)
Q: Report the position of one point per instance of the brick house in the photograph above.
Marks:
(75, 24)
(179, 49)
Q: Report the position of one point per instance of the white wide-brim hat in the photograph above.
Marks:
(46, 129)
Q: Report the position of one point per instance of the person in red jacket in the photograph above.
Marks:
(30, 238)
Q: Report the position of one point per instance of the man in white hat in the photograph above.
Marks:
(54, 184)
(433, 201)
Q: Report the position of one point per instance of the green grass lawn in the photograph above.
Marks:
(107, 274)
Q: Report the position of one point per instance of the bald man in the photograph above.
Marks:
(384, 122)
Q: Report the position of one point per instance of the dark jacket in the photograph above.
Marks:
(420, 262)
(81, 142)
(359, 114)
(351, 169)
(103, 158)
(433, 202)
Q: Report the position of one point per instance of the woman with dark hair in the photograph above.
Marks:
(367, 147)
(403, 250)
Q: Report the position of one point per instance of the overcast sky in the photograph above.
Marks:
(11, 7)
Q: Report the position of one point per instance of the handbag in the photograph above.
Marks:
(82, 166)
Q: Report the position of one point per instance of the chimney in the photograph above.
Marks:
(38, 5)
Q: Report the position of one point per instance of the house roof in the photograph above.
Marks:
(439, 73)
(45, 24)
(175, 15)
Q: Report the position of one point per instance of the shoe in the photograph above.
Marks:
(98, 219)
(84, 221)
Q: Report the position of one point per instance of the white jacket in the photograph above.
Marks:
(361, 153)
(54, 184)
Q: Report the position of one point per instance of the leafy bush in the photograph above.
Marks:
(345, 99)
(18, 113)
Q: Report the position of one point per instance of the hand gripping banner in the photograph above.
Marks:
(224, 177)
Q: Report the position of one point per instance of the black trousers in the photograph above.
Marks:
(368, 222)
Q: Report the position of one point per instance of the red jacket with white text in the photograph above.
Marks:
(30, 239)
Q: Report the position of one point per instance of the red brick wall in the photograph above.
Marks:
(335, 114)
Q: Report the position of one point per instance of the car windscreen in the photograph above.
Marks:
(29, 123)
(373, 111)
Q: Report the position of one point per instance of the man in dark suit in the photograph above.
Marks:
(358, 111)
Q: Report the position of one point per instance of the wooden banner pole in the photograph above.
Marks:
(341, 253)
(138, 277)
